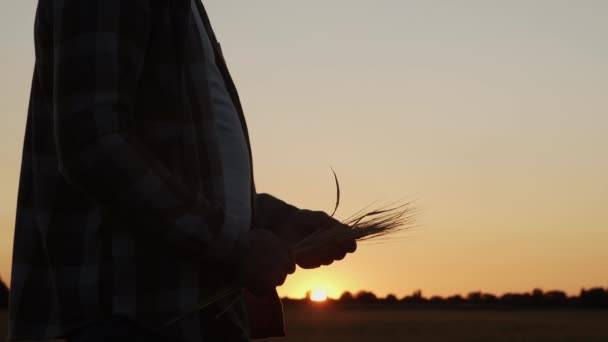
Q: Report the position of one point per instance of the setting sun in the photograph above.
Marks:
(318, 296)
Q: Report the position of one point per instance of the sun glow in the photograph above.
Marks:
(318, 296)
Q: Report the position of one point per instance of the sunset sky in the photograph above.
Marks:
(492, 114)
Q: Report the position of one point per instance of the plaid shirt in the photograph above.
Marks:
(120, 203)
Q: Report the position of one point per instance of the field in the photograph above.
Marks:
(322, 325)
(332, 325)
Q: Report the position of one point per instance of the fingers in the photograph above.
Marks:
(304, 223)
(339, 253)
(281, 274)
(327, 260)
(349, 246)
(267, 263)
(319, 220)
(281, 279)
(291, 267)
(335, 252)
(309, 261)
(324, 257)
(285, 267)
(326, 221)
(266, 286)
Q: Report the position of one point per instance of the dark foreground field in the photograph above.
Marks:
(333, 325)
(323, 325)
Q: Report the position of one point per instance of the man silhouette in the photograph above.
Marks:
(136, 196)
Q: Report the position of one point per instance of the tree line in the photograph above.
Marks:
(593, 298)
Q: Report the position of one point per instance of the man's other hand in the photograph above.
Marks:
(302, 224)
(265, 264)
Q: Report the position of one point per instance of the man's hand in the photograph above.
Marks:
(302, 224)
(265, 264)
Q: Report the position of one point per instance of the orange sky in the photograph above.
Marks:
(493, 115)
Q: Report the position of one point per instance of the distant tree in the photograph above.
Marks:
(437, 300)
(475, 297)
(455, 299)
(488, 298)
(538, 293)
(391, 299)
(365, 297)
(556, 298)
(347, 298)
(538, 297)
(594, 298)
(3, 296)
(516, 299)
(415, 298)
